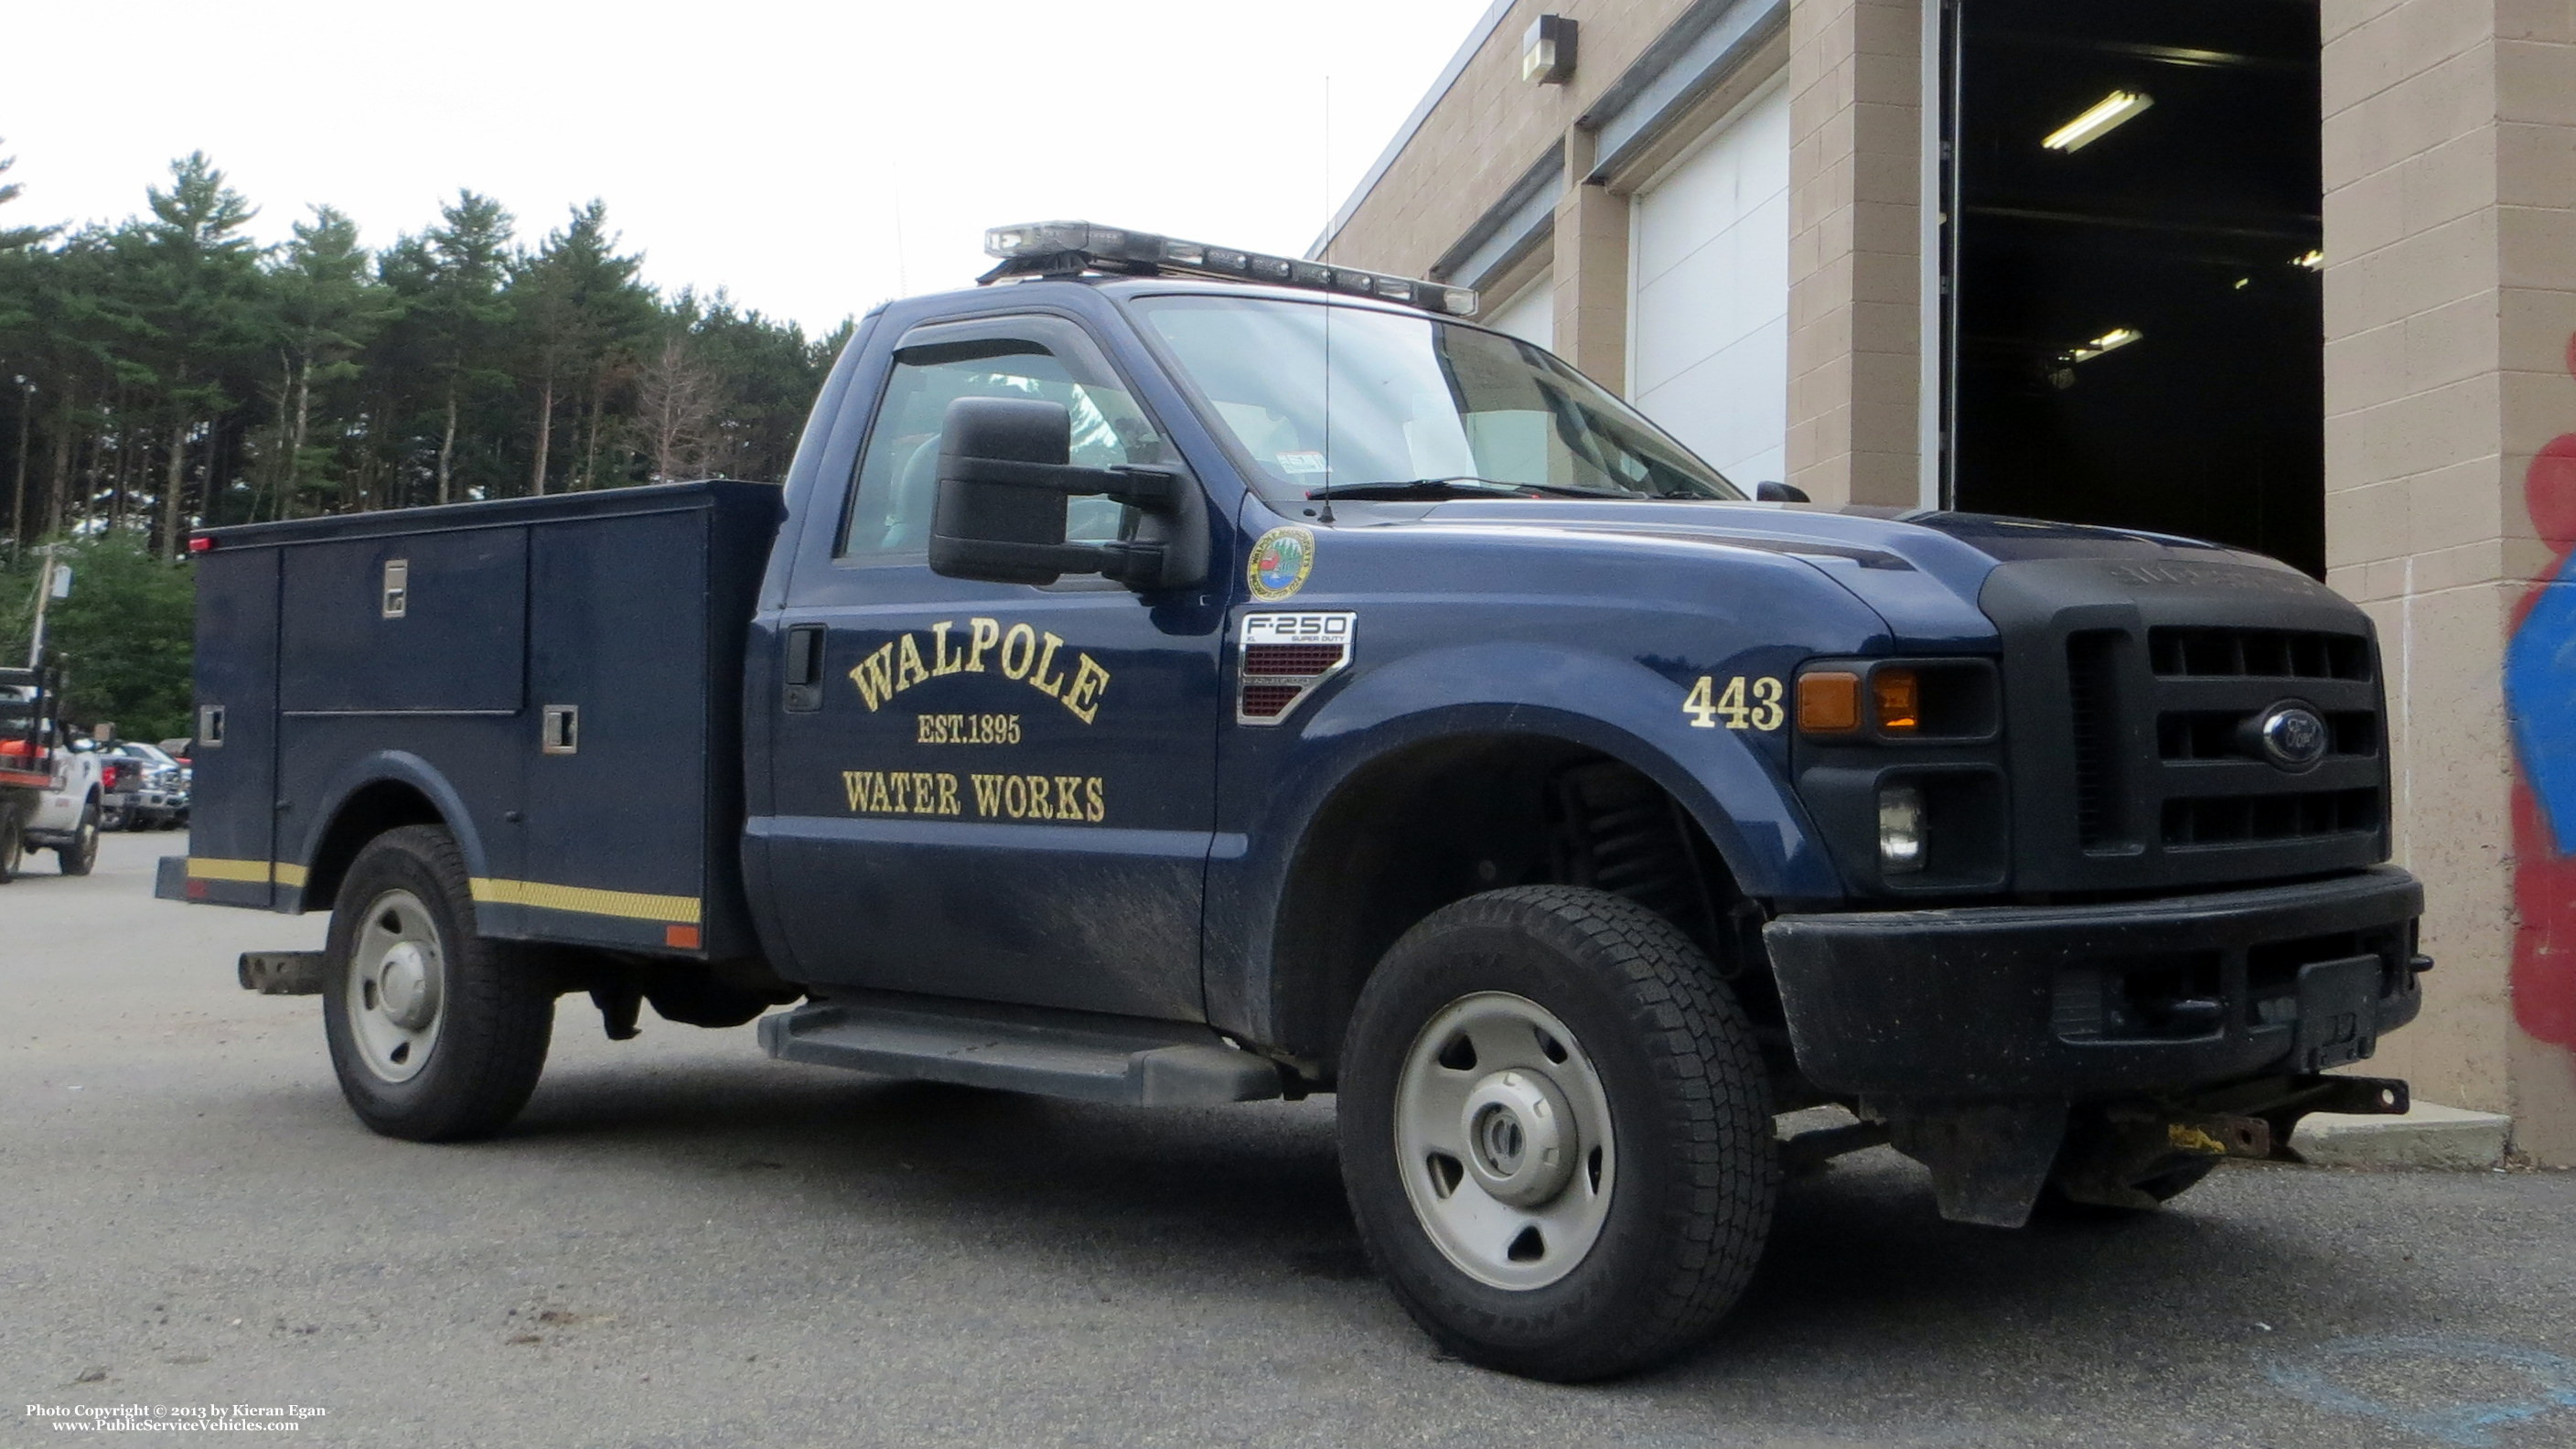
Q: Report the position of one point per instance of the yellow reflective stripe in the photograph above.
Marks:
(257, 872)
(633, 905)
(204, 867)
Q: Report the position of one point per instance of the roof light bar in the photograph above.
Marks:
(1056, 247)
(2098, 120)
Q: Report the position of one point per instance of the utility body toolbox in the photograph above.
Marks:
(561, 677)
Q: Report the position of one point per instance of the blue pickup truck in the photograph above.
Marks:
(1178, 675)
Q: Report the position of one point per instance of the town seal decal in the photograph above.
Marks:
(1280, 561)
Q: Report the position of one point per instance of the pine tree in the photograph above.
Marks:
(195, 283)
(328, 307)
(463, 312)
(581, 312)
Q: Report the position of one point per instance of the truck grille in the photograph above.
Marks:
(2135, 741)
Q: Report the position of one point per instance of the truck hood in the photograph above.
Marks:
(1918, 569)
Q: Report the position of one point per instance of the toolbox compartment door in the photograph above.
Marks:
(232, 814)
(408, 622)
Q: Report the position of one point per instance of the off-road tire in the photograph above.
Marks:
(76, 855)
(496, 1013)
(1691, 1202)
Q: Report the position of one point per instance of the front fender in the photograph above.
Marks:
(1618, 706)
(1622, 708)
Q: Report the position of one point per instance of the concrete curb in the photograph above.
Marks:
(2429, 1136)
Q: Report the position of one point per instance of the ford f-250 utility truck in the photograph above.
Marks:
(1175, 675)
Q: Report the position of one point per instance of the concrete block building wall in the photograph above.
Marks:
(2450, 239)
(2449, 149)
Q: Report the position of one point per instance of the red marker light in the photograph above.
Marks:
(200, 543)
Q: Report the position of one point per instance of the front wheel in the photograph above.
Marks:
(1555, 1133)
(79, 853)
(13, 842)
(115, 817)
(436, 1033)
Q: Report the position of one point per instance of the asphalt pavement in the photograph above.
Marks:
(684, 1243)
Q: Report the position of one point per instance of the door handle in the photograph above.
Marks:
(803, 674)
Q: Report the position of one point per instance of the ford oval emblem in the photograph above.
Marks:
(2292, 736)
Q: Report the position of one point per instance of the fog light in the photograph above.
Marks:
(1900, 829)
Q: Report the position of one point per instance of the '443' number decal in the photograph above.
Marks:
(1745, 704)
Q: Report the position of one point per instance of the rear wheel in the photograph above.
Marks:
(436, 1034)
(1555, 1133)
(79, 853)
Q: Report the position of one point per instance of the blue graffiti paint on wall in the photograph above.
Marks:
(2540, 695)
(2326, 1376)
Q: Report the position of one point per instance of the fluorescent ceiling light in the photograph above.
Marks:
(2314, 261)
(2098, 120)
(2111, 341)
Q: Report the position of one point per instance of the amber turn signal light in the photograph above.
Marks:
(1896, 701)
(1828, 703)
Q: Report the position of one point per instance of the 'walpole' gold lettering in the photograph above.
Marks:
(1027, 653)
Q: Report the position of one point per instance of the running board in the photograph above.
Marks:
(1018, 1049)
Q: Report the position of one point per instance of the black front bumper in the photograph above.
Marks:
(2105, 1000)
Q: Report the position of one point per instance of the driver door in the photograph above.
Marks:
(1000, 792)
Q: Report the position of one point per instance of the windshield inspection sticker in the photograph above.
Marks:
(1305, 462)
(1280, 561)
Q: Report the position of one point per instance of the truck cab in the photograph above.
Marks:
(1172, 674)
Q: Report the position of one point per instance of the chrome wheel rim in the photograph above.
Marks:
(1503, 1141)
(397, 986)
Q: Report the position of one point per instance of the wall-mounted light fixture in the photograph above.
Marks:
(2097, 121)
(1547, 51)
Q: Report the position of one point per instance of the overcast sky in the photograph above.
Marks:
(813, 158)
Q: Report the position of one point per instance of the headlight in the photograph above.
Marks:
(1900, 829)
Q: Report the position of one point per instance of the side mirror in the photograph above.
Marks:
(1003, 484)
(1779, 493)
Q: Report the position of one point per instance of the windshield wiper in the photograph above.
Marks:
(1457, 486)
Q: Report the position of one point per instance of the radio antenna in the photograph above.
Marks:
(1326, 517)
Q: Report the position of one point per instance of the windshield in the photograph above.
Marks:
(1412, 400)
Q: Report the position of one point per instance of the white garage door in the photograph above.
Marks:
(1530, 314)
(1708, 299)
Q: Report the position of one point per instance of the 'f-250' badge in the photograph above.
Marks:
(1280, 561)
